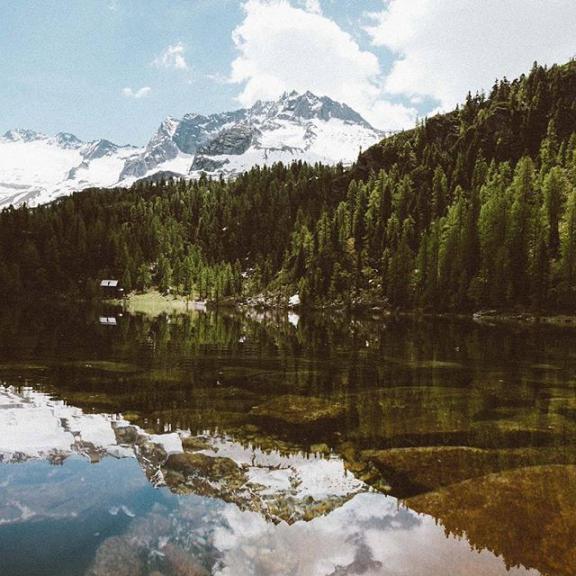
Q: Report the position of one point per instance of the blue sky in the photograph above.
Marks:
(116, 68)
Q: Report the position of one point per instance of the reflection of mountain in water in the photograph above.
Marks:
(280, 487)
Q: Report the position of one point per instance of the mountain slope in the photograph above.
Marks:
(35, 168)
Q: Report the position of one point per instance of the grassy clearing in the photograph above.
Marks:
(153, 303)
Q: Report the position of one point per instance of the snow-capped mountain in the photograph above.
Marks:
(35, 168)
(294, 127)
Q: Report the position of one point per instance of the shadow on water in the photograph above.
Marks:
(226, 443)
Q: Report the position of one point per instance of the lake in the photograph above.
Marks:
(235, 444)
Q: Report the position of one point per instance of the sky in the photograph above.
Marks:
(116, 68)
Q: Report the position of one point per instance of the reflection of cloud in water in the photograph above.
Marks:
(294, 319)
(369, 535)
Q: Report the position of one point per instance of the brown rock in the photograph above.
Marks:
(116, 556)
(526, 515)
(203, 475)
(195, 444)
(191, 464)
(300, 410)
(415, 470)
(181, 563)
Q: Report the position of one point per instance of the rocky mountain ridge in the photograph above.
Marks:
(35, 168)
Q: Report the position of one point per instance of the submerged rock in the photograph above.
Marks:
(194, 464)
(525, 427)
(195, 444)
(526, 515)
(300, 410)
(117, 556)
(408, 416)
(180, 563)
(419, 415)
(412, 471)
(203, 475)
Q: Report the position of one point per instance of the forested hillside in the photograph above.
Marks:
(472, 209)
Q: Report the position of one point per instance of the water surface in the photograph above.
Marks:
(245, 444)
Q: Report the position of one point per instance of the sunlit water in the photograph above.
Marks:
(253, 445)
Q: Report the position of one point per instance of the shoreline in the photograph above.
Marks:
(154, 303)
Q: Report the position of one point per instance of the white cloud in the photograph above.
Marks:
(444, 49)
(218, 78)
(282, 48)
(172, 58)
(136, 94)
(313, 6)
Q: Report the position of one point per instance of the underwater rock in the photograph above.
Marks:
(116, 556)
(153, 452)
(203, 475)
(126, 434)
(194, 464)
(180, 563)
(411, 471)
(407, 416)
(526, 515)
(419, 415)
(195, 444)
(524, 427)
(300, 410)
(149, 530)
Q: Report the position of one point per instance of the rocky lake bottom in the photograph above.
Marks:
(218, 443)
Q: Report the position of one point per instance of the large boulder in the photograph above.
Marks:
(527, 515)
(181, 563)
(412, 471)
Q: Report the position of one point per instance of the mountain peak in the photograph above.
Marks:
(294, 126)
(23, 135)
(308, 106)
(99, 149)
(62, 139)
(67, 140)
